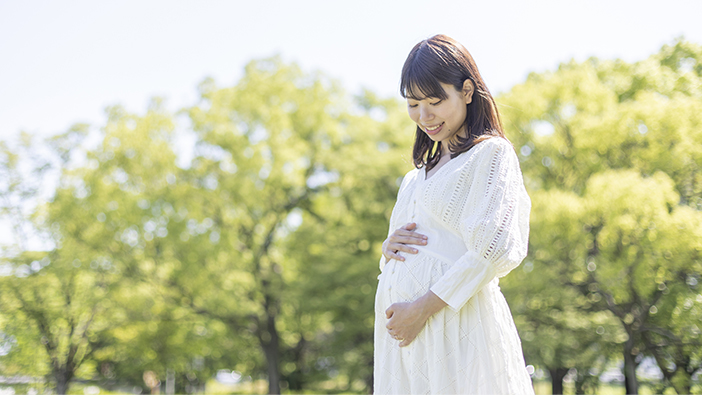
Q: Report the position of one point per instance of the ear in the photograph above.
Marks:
(468, 89)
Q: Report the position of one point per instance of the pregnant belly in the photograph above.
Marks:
(405, 281)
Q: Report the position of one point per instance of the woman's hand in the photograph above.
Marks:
(400, 239)
(406, 320)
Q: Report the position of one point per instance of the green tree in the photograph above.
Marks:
(644, 254)
(303, 192)
(560, 328)
(264, 151)
(337, 270)
(265, 245)
(78, 300)
(56, 312)
(587, 118)
(137, 206)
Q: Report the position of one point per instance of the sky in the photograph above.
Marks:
(63, 62)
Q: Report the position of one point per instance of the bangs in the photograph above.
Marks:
(419, 82)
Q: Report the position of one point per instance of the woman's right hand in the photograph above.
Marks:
(400, 240)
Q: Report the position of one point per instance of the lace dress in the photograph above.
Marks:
(475, 212)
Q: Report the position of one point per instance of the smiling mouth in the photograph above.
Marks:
(434, 129)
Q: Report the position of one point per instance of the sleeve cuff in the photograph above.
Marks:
(463, 280)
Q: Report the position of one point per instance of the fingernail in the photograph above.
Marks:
(424, 237)
(414, 250)
(424, 242)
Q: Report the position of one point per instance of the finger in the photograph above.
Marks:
(406, 239)
(398, 257)
(406, 232)
(405, 248)
(409, 226)
(388, 314)
(406, 341)
(393, 255)
(413, 238)
(401, 240)
(419, 236)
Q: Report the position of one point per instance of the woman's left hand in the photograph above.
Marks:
(406, 320)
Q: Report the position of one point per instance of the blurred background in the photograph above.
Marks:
(193, 195)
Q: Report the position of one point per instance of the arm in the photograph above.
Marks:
(406, 320)
(494, 224)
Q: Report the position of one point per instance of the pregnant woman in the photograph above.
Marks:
(461, 221)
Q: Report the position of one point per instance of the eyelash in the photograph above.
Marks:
(433, 104)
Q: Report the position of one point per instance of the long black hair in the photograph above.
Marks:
(441, 59)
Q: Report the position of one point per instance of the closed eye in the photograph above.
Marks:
(436, 103)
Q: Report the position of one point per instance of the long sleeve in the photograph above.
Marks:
(492, 214)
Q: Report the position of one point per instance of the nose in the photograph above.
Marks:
(425, 113)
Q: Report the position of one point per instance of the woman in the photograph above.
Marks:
(461, 221)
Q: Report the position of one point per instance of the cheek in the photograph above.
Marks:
(458, 115)
(413, 114)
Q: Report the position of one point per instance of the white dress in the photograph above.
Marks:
(475, 212)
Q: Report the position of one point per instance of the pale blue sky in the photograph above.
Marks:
(63, 61)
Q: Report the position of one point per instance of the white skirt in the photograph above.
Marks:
(475, 350)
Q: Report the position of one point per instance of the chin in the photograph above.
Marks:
(433, 137)
(436, 138)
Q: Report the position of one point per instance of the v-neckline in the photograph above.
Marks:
(461, 155)
(437, 171)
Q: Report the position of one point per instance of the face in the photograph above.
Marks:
(442, 120)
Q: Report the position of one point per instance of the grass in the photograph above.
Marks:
(544, 388)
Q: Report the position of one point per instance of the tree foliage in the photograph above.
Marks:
(230, 262)
(260, 254)
(611, 153)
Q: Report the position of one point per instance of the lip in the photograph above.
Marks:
(435, 131)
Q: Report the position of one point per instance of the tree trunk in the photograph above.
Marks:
(296, 379)
(63, 380)
(271, 348)
(557, 376)
(370, 379)
(631, 384)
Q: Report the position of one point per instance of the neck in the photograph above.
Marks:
(444, 150)
(454, 139)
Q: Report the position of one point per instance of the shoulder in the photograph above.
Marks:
(493, 158)
(412, 173)
(494, 145)
(409, 177)
(488, 150)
